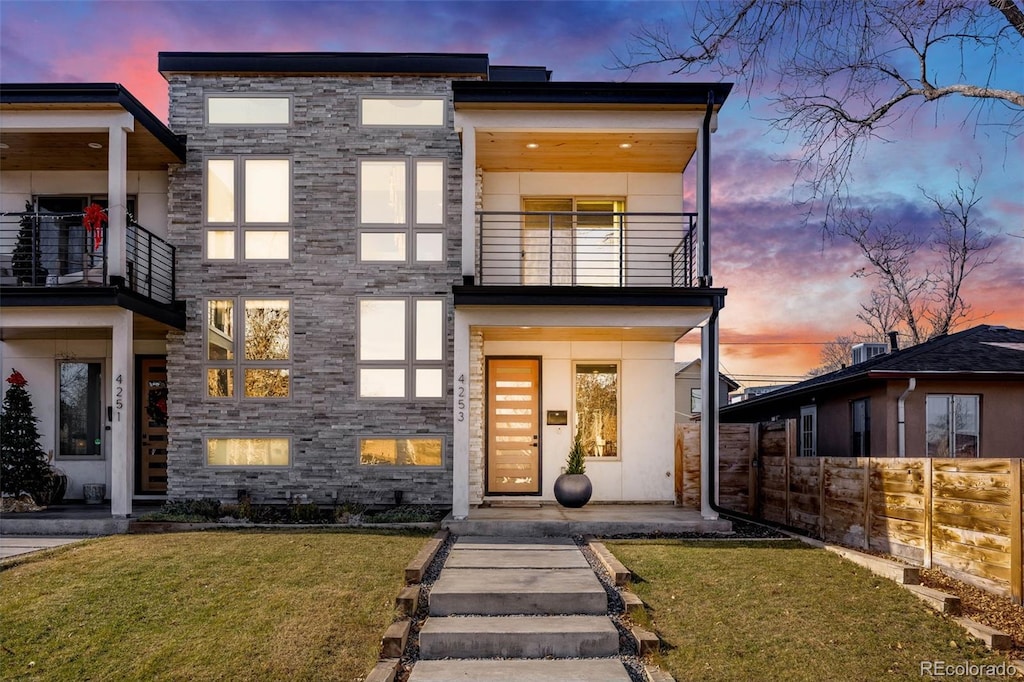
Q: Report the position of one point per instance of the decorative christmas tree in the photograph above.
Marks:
(23, 463)
(26, 263)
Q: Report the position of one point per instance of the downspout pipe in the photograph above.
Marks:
(704, 277)
(901, 417)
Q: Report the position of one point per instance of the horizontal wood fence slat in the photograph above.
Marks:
(963, 516)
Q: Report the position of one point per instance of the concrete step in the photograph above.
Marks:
(520, 670)
(518, 637)
(504, 591)
(569, 557)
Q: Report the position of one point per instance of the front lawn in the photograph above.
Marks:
(203, 606)
(732, 610)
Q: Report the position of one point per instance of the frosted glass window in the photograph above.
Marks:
(382, 246)
(429, 192)
(267, 190)
(220, 244)
(429, 330)
(429, 247)
(220, 191)
(382, 330)
(267, 244)
(248, 110)
(382, 193)
(429, 383)
(402, 112)
(248, 452)
(381, 383)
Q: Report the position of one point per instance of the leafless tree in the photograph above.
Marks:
(843, 73)
(919, 277)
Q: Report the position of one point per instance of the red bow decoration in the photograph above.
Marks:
(93, 220)
(16, 379)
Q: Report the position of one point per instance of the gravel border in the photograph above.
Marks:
(433, 572)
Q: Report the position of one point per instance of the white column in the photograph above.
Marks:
(709, 415)
(460, 438)
(468, 200)
(122, 427)
(117, 200)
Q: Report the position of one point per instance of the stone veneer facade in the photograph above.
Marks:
(323, 417)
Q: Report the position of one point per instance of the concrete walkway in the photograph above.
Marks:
(516, 609)
(16, 545)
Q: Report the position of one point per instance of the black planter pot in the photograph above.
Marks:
(573, 490)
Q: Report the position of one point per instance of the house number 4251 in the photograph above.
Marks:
(118, 397)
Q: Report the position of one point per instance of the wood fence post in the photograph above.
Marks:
(752, 463)
(1016, 528)
(867, 502)
(790, 436)
(821, 497)
(928, 511)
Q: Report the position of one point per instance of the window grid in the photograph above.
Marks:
(232, 233)
(809, 431)
(417, 371)
(230, 371)
(415, 231)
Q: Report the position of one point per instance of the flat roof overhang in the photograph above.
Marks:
(170, 315)
(151, 146)
(417, 63)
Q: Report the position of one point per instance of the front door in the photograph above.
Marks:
(152, 411)
(513, 426)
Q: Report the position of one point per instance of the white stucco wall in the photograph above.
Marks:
(37, 360)
(643, 470)
(149, 187)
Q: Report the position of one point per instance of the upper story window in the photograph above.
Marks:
(255, 364)
(248, 111)
(953, 425)
(247, 203)
(401, 203)
(809, 431)
(402, 112)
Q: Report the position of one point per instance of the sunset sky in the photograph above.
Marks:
(788, 289)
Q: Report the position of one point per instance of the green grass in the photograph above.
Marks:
(784, 611)
(203, 606)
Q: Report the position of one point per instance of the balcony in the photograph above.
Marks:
(586, 249)
(53, 251)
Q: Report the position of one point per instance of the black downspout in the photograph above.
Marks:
(712, 359)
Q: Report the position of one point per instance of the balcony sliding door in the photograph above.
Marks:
(568, 241)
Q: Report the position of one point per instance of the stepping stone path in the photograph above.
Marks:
(522, 610)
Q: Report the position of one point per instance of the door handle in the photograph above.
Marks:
(536, 441)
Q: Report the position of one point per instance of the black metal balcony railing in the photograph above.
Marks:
(586, 249)
(40, 249)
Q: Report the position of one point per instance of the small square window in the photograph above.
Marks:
(382, 246)
(267, 244)
(429, 383)
(429, 247)
(220, 244)
(382, 383)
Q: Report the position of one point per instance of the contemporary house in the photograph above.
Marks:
(395, 277)
(86, 304)
(953, 396)
(689, 400)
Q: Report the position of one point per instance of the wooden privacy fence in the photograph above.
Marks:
(963, 516)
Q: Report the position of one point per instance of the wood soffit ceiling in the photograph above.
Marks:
(584, 333)
(585, 152)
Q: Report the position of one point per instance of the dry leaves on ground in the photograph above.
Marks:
(981, 606)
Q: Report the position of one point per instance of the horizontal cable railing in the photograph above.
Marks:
(585, 248)
(40, 249)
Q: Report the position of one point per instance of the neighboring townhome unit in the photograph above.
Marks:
(88, 280)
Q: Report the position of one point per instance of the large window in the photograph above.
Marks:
(255, 364)
(401, 210)
(248, 452)
(860, 428)
(808, 431)
(248, 208)
(573, 241)
(80, 410)
(401, 348)
(248, 111)
(953, 425)
(401, 451)
(597, 408)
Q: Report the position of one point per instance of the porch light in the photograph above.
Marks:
(532, 145)
(526, 327)
(626, 145)
(95, 145)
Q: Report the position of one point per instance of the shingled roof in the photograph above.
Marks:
(983, 350)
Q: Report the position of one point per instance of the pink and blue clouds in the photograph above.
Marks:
(787, 285)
